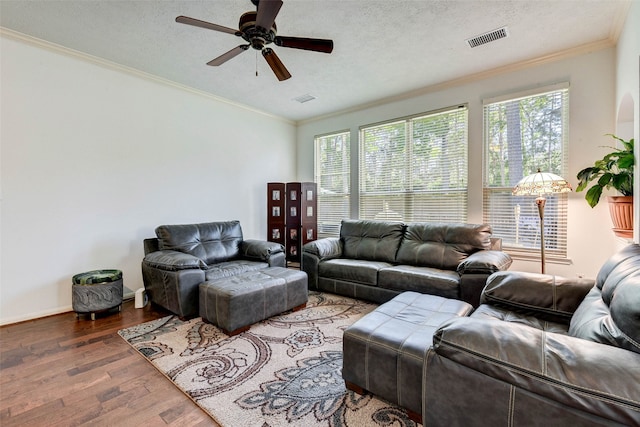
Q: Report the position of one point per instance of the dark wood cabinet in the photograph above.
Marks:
(292, 215)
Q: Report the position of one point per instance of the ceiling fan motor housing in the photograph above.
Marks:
(258, 37)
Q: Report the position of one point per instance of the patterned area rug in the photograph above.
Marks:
(283, 371)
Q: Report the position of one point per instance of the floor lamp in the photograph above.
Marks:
(540, 184)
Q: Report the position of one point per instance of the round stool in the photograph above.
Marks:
(96, 290)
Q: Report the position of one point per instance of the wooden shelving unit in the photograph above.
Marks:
(292, 216)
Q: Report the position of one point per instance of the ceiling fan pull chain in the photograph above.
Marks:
(256, 63)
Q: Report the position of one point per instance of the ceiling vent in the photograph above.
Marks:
(489, 37)
(304, 98)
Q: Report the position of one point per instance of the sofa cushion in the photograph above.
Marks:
(617, 324)
(440, 245)
(233, 268)
(371, 240)
(433, 281)
(352, 270)
(610, 313)
(212, 242)
(173, 261)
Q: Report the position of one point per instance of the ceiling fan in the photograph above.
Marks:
(259, 29)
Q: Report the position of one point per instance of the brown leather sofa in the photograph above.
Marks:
(541, 350)
(377, 260)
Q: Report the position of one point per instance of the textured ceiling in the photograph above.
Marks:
(383, 48)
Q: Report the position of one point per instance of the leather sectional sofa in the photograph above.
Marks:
(377, 260)
(183, 256)
(541, 350)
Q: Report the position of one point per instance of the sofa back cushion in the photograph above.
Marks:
(442, 245)
(610, 313)
(371, 240)
(212, 242)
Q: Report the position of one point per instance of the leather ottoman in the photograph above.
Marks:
(384, 351)
(235, 303)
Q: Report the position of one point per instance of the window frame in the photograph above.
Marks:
(556, 201)
(408, 205)
(327, 225)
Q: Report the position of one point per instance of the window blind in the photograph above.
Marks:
(415, 169)
(332, 176)
(522, 134)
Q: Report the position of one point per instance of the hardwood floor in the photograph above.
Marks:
(63, 371)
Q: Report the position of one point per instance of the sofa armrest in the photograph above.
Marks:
(475, 269)
(327, 248)
(546, 296)
(260, 249)
(315, 252)
(173, 261)
(554, 366)
(485, 262)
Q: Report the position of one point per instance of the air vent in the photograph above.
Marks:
(489, 37)
(304, 98)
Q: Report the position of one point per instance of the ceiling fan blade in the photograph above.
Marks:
(227, 56)
(208, 25)
(317, 45)
(267, 11)
(276, 65)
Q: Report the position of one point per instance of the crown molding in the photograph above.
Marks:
(618, 22)
(53, 47)
(471, 78)
(557, 56)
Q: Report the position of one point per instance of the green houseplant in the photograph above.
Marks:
(614, 170)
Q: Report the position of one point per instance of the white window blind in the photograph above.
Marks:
(415, 169)
(332, 176)
(522, 134)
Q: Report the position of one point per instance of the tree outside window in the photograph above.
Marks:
(415, 169)
(522, 135)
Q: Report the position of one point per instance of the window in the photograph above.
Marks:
(332, 176)
(524, 133)
(415, 169)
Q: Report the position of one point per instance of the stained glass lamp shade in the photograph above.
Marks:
(540, 184)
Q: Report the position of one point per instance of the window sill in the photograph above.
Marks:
(527, 256)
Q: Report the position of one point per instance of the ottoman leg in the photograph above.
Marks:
(236, 331)
(93, 316)
(300, 307)
(355, 388)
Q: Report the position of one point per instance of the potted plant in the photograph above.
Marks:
(614, 170)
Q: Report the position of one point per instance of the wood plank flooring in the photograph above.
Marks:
(63, 371)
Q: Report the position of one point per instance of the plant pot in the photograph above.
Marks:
(621, 210)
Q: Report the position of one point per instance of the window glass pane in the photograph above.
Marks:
(523, 135)
(415, 169)
(332, 175)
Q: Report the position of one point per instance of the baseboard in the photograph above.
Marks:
(52, 312)
(36, 315)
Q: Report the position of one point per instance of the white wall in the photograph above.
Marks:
(628, 95)
(94, 158)
(592, 109)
